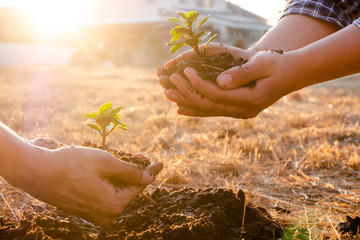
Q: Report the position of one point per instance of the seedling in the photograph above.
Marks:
(188, 33)
(106, 120)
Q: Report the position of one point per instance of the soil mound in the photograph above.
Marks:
(171, 214)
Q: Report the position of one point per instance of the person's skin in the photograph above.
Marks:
(317, 51)
(73, 178)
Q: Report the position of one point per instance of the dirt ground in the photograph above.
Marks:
(298, 159)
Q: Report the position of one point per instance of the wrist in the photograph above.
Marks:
(19, 158)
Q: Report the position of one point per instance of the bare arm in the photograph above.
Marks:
(293, 32)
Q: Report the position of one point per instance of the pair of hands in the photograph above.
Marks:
(75, 179)
(274, 75)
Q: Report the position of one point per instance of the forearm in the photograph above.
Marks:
(293, 32)
(16, 155)
(329, 58)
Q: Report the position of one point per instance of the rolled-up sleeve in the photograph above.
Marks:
(339, 12)
(357, 22)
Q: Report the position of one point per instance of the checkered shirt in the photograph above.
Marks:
(340, 12)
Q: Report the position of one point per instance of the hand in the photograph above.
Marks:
(76, 179)
(275, 74)
(212, 49)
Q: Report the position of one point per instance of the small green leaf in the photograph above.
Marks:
(95, 127)
(212, 38)
(192, 42)
(201, 22)
(115, 111)
(184, 30)
(105, 108)
(92, 115)
(103, 122)
(192, 18)
(99, 137)
(122, 126)
(188, 14)
(182, 14)
(201, 33)
(176, 38)
(176, 21)
(115, 119)
(172, 43)
(207, 43)
(176, 47)
(173, 31)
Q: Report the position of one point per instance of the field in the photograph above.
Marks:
(299, 159)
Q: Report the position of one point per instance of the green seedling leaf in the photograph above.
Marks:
(95, 127)
(103, 121)
(122, 126)
(172, 43)
(176, 38)
(115, 111)
(92, 115)
(173, 31)
(188, 14)
(183, 15)
(212, 38)
(105, 108)
(184, 31)
(192, 42)
(115, 120)
(207, 43)
(176, 47)
(201, 22)
(106, 120)
(202, 35)
(192, 18)
(99, 137)
(185, 34)
(176, 21)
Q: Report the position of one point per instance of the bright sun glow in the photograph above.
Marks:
(50, 16)
(269, 9)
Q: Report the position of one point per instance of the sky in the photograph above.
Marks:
(55, 20)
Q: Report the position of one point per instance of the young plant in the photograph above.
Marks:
(106, 120)
(187, 32)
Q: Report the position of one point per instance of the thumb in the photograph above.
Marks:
(129, 172)
(239, 76)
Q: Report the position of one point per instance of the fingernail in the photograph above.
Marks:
(171, 95)
(224, 80)
(147, 177)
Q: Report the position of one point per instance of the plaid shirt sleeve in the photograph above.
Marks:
(340, 12)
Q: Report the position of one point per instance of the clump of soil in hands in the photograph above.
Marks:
(208, 67)
(138, 159)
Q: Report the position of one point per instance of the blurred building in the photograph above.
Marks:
(122, 32)
(136, 33)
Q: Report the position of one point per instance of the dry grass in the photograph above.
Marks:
(301, 154)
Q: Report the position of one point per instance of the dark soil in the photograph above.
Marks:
(162, 214)
(138, 160)
(208, 67)
(352, 225)
(173, 214)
